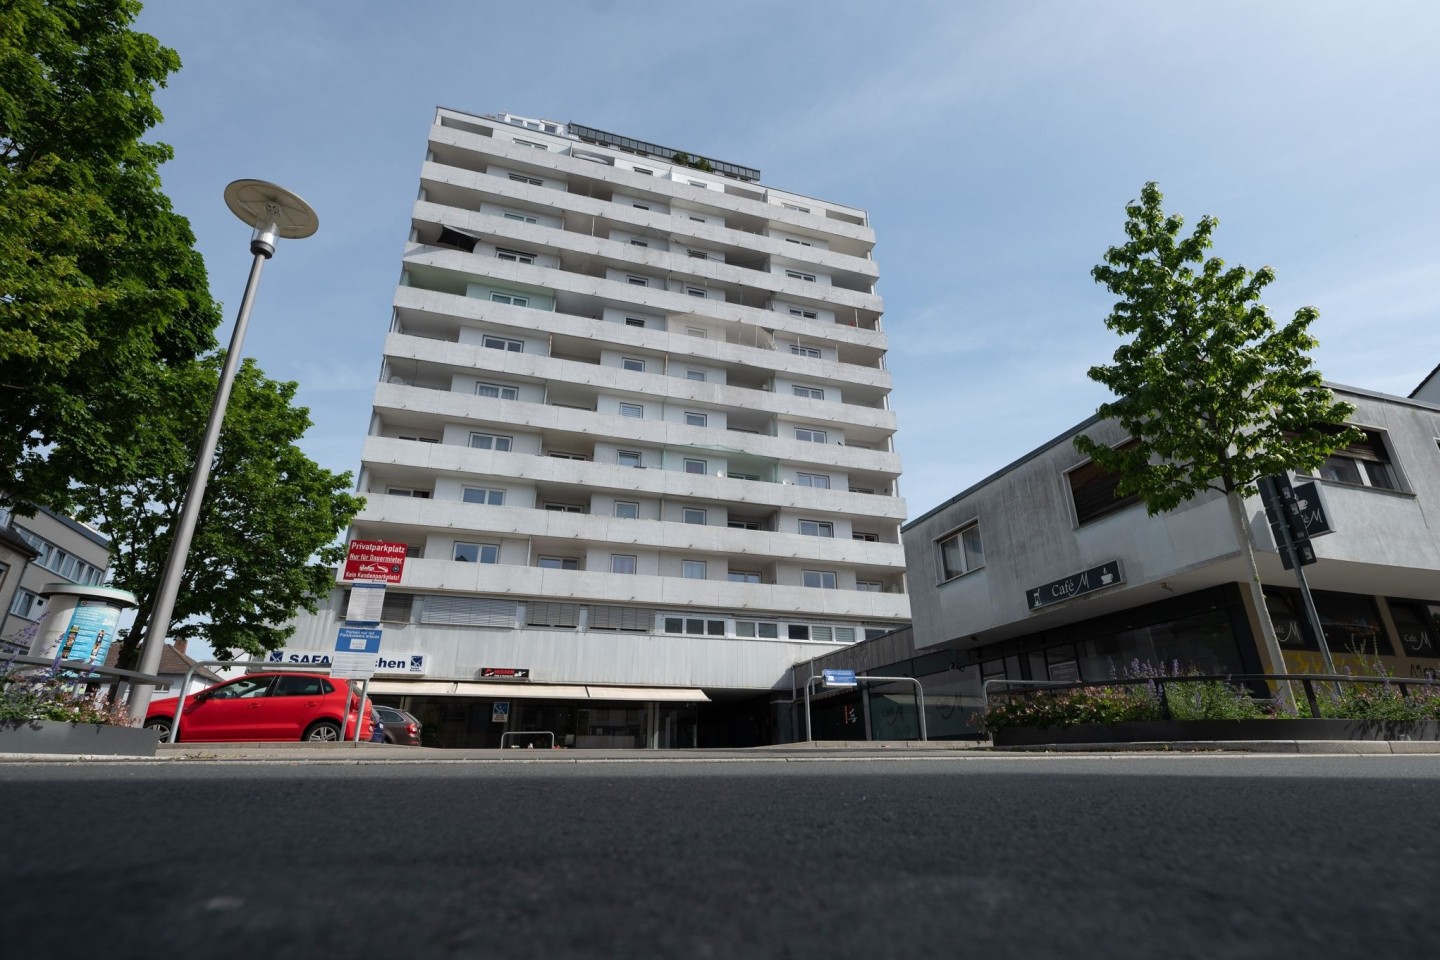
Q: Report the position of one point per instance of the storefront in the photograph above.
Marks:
(531, 716)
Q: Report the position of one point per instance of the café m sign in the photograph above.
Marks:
(1077, 584)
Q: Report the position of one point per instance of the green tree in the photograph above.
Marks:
(100, 285)
(266, 543)
(1216, 394)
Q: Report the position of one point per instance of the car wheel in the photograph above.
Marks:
(325, 731)
(161, 726)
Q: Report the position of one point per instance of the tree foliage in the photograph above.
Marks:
(100, 285)
(266, 543)
(1214, 391)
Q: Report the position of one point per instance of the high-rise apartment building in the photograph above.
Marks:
(632, 427)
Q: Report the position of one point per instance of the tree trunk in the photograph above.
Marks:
(1270, 645)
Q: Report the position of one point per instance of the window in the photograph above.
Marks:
(867, 537)
(627, 509)
(532, 181)
(817, 528)
(514, 301)
(819, 481)
(797, 275)
(559, 563)
(961, 552)
(564, 507)
(520, 217)
(641, 206)
(696, 466)
(697, 332)
(820, 579)
(810, 393)
(648, 172)
(799, 351)
(502, 343)
(1092, 488)
(697, 254)
(416, 437)
(696, 419)
(695, 375)
(804, 314)
(803, 243)
(477, 552)
(739, 524)
(1364, 463)
(633, 364)
(752, 628)
(743, 576)
(539, 613)
(692, 569)
(737, 475)
(637, 281)
(485, 495)
(628, 458)
(697, 292)
(845, 634)
(639, 243)
(496, 390)
(810, 436)
(408, 492)
(869, 490)
(515, 256)
(867, 586)
(695, 626)
(301, 686)
(634, 322)
(620, 563)
(695, 515)
(27, 604)
(530, 143)
(489, 441)
(632, 410)
(797, 208)
(563, 455)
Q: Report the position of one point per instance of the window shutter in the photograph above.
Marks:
(547, 614)
(469, 611)
(621, 618)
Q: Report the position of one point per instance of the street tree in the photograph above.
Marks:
(1215, 394)
(100, 285)
(267, 539)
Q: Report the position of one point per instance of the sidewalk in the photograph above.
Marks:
(790, 752)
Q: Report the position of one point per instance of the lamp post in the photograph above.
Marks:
(273, 212)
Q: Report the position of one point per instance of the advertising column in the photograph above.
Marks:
(80, 622)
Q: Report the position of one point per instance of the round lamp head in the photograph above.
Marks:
(271, 209)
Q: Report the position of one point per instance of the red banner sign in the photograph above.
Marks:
(375, 560)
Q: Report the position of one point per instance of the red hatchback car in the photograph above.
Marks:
(267, 706)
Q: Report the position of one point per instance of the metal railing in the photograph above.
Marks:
(1162, 684)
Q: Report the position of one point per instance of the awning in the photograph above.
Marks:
(531, 691)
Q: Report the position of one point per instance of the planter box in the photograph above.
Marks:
(89, 739)
(1163, 730)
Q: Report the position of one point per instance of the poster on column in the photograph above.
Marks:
(91, 631)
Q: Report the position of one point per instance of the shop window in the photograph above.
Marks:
(1092, 488)
(1418, 625)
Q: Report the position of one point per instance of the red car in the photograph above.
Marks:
(267, 706)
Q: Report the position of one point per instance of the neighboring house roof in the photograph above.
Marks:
(172, 663)
(1423, 383)
(17, 543)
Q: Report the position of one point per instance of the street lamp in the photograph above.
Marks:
(273, 212)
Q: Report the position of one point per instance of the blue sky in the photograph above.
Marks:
(994, 146)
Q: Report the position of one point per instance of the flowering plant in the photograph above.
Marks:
(52, 694)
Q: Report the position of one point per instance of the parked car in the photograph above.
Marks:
(377, 734)
(400, 727)
(267, 706)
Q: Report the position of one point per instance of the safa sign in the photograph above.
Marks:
(407, 663)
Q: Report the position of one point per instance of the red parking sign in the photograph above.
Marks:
(375, 560)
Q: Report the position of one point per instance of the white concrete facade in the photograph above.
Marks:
(632, 421)
(1377, 578)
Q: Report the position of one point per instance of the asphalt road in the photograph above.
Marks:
(949, 856)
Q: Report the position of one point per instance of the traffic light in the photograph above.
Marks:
(1287, 525)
